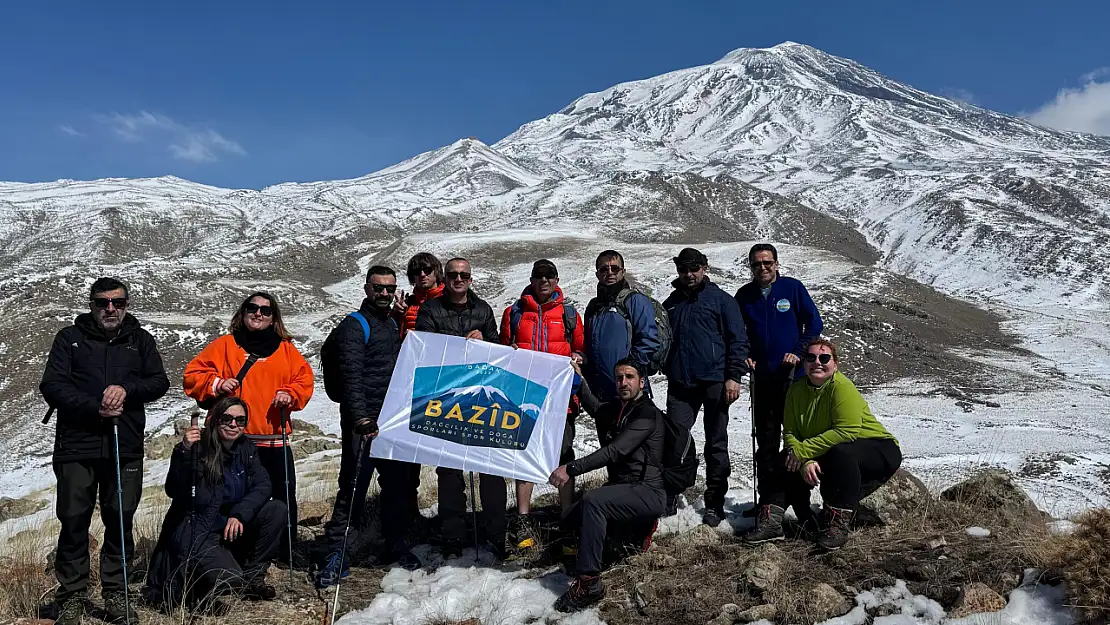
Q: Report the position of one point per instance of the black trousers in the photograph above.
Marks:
(229, 566)
(849, 472)
(275, 460)
(601, 508)
(683, 403)
(768, 402)
(399, 482)
(79, 484)
(452, 506)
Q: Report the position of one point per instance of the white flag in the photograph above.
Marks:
(475, 406)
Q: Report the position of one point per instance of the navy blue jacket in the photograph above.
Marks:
(709, 343)
(782, 323)
(608, 339)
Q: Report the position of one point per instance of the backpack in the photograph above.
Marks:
(570, 320)
(329, 358)
(662, 326)
(680, 458)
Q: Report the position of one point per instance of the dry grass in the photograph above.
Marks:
(1083, 560)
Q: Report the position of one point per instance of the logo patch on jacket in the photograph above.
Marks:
(478, 405)
(782, 305)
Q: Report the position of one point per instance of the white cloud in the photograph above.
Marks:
(70, 130)
(958, 94)
(1081, 109)
(185, 142)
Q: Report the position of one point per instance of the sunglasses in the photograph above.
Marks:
(545, 277)
(756, 264)
(458, 275)
(118, 302)
(237, 420)
(610, 269)
(384, 288)
(426, 271)
(689, 268)
(823, 358)
(250, 308)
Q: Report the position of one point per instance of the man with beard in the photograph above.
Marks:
(620, 323)
(365, 356)
(101, 370)
(704, 367)
(781, 320)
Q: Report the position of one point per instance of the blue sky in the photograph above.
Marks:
(247, 94)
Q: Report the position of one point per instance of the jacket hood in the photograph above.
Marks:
(87, 324)
(530, 300)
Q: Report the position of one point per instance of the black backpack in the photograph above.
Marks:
(680, 459)
(329, 358)
(662, 325)
(570, 320)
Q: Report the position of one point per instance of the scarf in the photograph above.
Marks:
(262, 343)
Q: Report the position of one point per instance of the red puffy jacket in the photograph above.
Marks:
(414, 300)
(548, 335)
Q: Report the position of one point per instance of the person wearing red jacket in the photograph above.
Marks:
(543, 320)
(425, 274)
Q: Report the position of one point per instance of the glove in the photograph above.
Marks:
(366, 426)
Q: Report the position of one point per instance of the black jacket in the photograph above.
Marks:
(366, 366)
(194, 524)
(82, 363)
(439, 316)
(709, 342)
(631, 437)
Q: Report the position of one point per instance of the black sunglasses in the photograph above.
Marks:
(118, 302)
(425, 270)
(384, 288)
(756, 264)
(824, 358)
(250, 308)
(689, 268)
(610, 269)
(229, 419)
(456, 275)
(544, 277)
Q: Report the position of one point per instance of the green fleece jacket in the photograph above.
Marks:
(817, 418)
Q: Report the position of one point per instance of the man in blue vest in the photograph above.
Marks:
(781, 319)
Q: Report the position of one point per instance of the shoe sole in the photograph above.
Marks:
(765, 540)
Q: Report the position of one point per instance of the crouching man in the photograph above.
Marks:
(631, 433)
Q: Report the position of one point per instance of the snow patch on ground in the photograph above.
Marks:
(978, 532)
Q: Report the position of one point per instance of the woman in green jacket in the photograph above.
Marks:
(832, 441)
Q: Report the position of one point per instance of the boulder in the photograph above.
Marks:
(730, 613)
(994, 491)
(977, 598)
(824, 602)
(763, 612)
(308, 446)
(15, 508)
(764, 569)
(902, 496)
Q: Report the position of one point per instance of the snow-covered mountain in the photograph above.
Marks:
(888, 201)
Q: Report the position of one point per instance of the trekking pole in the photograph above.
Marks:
(288, 502)
(474, 512)
(751, 413)
(347, 529)
(122, 531)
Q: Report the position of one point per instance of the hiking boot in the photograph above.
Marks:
(71, 611)
(835, 532)
(713, 516)
(259, 590)
(398, 556)
(119, 609)
(331, 573)
(584, 591)
(646, 543)
(451, 550)
(768, 528)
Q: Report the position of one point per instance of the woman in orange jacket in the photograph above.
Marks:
(279, 380)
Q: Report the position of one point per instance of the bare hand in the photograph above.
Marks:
(192, 434)
(559, 477)
(113, 397)
(732, 391)
(791, 359)
(792, 462)
(111, 413)
(574, 364)
(475, 335)
(233, 529)
(227, 386)
(751, 364)
(282, 399)
(577, 358)
(810, 473)
(399, 305)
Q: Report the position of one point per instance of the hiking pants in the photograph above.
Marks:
(601, 508)
(229, 566)
(452, 507)
(849, 472)
(79, 483)
(768, 402)
(398, 481)
(683, 403)
(275, 460)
